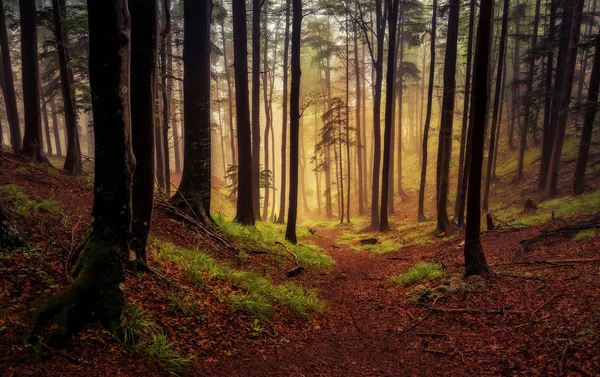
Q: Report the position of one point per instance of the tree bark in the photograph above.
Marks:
(256, 8)
(166, 98)
(144, 22)
(245, 206)
(428, 114)
(73, 162)
(229, 93)
(55, 129)
(284, 117)
(290, 232)
(359, 139)
(475, 263)
(447, 116)
(266, 101)
(195, 188)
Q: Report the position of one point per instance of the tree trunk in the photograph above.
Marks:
(497, 100)
(177, 120)
(389, 116)
(245, 206)
(143, 83)
(565, 100)
(357, 120)
(229, 93)
(195, 188)
(46, 127)
(579, 182)
(73, 162)
(475, 263)
(428, 114)
(32, 138)
(10, 98)
(166, 98)
(400, 94)
(97, 293)
(528, 119)
(460, 196)
(348, 163)
(284, 117)
(265, 213)
(550, 130)
(447, 116)
(55, 129)
(290, 232)
(256, 8)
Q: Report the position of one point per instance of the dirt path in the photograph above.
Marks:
(357, 336)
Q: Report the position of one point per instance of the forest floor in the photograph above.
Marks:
(400, 307)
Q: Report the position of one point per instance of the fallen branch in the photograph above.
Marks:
(298, 269)
(479, 311)
(55, 351)
(563, 358)
(564, 231)
(544, 304)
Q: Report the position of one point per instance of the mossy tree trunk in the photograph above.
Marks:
(97, 293)
(193, 193)
(143, 80)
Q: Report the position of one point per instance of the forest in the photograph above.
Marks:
(299, 188)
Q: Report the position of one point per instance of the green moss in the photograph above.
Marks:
(23, 205)
(584, 235)
(508, 164)
(255, 294)
(419, 272)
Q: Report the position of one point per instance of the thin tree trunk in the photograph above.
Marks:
(265, 213)
(284, 116)
(46, 127)
(428, 114)
(229, 93)
(165, 92)
(290, 233)
(359, 124)
(256, 8)
(55, 127)
(10, 98)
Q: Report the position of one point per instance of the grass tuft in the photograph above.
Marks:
(419, 272)
(584, 235)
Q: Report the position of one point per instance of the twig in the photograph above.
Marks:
(296, 263)
(479, 311)
(563, 357)
(437, 352)
(541, 306)
(60, 353)
(422, 319)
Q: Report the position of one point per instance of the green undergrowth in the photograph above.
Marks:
(264, 237)
(146, 337)
(253, 293)
(565, 207)
(584, 235)
(507, 164)
(23, 205)
(419, 272)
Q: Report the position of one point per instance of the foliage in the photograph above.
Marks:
(419, 272)
(584, 235)
(23, 205)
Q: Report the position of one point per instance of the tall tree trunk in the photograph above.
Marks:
(428, 113)
(165, 41)
(46, 127)
(284, 117)
(497, 100)
(290, 232)
(229, 93)
(55, 129)
(73, 162)
(245, 206)
(579, 182)
(10, 98)
(359, 125)
(584, 56)
(363, 104)
(265, 213)
(256, 8)
(195, 188)
(475, 263)
(565, 100)
(97, 291)
(32, 138)
(144, 21)
(348, 163)
(447, 116)
(400, 94)
(177, 120)
(460, 196)
(158, 138)
(528, 119)
(561, 59)
(389, 116)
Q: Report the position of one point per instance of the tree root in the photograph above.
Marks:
(96, 294)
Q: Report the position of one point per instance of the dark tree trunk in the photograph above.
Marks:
(256, 7)
(475, 263)
(348, 166)
(73, 162)
(389, 115)
(284, 117)
(158, 138)
(55, 129)
(143, 83)
(460, 195)
(290, 232)
(357, 120)
(550, 131)
(32, 139)
(447, 116)
(400, 94)
(428, 114)
(177, 120)
(528, 118)
(245, 210)
(46, 127)
(579, 182)
(229, 94)
(10, 98)
(166, 98)
(265, 214)
(497, 100)
(378, 68)
(97, 293)
(565, 100)
(195, 187)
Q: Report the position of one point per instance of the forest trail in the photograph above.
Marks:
(357, 335)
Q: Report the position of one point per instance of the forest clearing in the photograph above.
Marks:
(299, 188)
